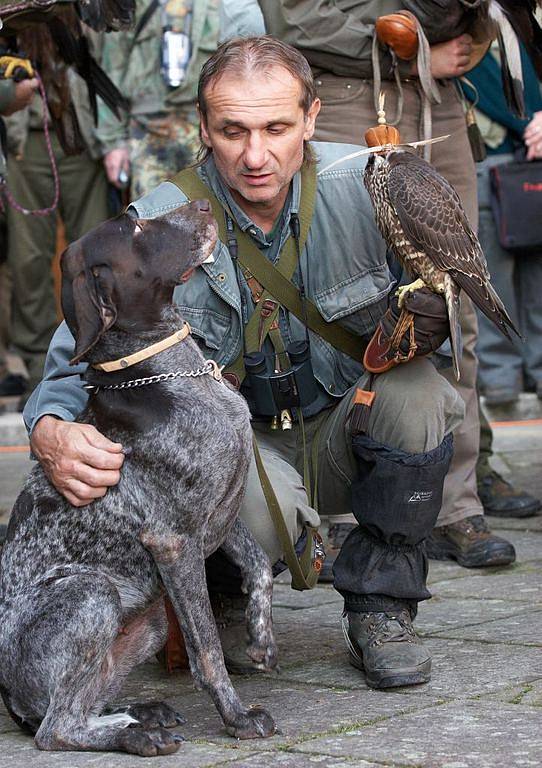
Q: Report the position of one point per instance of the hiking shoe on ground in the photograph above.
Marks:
(501, 499)
(12, 384)
(471, 543)
(386, 647)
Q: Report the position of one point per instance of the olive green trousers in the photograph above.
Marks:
(32, 239)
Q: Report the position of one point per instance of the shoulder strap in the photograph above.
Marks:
(266, 273)
(140, 26)
(144, 20)
(303, 571)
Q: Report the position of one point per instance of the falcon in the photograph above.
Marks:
(425, 226)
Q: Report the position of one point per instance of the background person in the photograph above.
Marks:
(506, 367)
(32, 240)
(337, 39)
(13, 97)
(159, 135)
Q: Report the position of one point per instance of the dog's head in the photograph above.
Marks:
(124, 271)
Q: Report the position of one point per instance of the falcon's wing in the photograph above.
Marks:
(434, 221)
(51, 34)
(107, 15)
(101, 15)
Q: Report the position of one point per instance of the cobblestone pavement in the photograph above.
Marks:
(482, 708)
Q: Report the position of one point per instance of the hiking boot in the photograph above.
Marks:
(13, 384)
(496, 396)
(337, 533)
(471, 543)
(231, 624)
(386, 647)
(501, 499)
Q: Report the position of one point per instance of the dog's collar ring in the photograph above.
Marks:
(209, 368)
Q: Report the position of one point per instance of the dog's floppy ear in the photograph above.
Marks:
(93, 305)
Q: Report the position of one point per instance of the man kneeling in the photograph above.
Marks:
(257, 108)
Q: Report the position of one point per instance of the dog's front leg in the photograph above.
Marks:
(241, 548)
(181, 564)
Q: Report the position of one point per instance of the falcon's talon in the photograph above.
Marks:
(403, 290)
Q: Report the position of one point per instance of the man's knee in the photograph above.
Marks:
(414, 407)
(291, 496)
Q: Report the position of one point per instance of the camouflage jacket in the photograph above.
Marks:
(134, 66)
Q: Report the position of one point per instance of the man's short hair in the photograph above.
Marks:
(244, 55)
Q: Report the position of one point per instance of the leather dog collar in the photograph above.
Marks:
(144, 354)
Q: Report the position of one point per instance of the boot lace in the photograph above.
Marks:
(383, 628)
(475, 524)
(390, 628)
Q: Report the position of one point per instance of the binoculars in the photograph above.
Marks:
(275, 392)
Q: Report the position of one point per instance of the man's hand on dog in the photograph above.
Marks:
(79, 461)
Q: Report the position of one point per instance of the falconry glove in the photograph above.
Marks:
(417, 329)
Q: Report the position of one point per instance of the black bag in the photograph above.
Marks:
(516, 201)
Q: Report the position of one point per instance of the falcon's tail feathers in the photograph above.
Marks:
(487, 300)
(512, 72)
(451, 295)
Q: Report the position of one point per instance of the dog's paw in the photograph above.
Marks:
(155, 714)
(266, 657)
(255, 723)
(149, 742)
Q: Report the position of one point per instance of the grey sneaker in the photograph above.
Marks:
(386, 648)
(231, 623)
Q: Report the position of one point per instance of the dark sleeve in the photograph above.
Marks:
(7, 94)
(331, 39)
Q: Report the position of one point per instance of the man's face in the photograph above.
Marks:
(256, 128)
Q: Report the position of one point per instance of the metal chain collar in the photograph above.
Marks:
(210, 367)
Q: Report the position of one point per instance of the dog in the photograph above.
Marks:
(82, 590)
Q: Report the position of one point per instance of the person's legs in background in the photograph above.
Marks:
(500, 375)
(32, 239)
(499, 497)
(529, 286)
(502, 361)
(12, 382)
(31, 246)
(5, 303)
